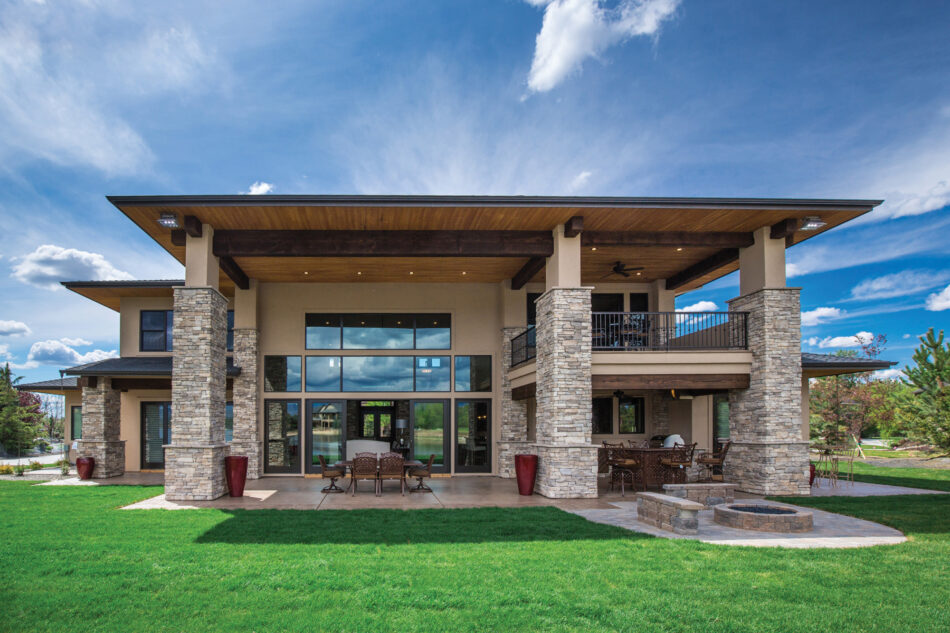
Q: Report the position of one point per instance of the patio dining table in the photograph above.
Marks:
(409, 463)
(653, 471)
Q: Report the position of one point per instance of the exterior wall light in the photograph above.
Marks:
(168, 220)
(812, 223)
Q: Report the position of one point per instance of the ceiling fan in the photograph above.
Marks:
(619, 268)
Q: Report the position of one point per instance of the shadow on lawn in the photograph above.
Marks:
(911, 514)
(397, 527)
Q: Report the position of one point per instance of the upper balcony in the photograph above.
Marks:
(652, 332)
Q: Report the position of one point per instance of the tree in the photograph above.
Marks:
(927, 411)
(17, 423)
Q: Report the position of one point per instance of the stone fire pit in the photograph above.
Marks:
(763, 517)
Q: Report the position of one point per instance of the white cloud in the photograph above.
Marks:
(5, 352)
(856, 340)
(75, 342)
(939, 301)
(574, 30)
(167, 59)
(59, 354)
(889, 374)
(580, 180)
(259, 188)
(48, 265)
(820, 315)
(901, 284)
(700, 306)
(14, 328)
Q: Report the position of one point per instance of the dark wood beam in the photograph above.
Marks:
(232, 270)
(783, 229)
(527, 272)
(574, 226)
(258, 243)
(697, 270)
(669, 381)
(670, 239)
(178, 237)
(524, 392)
(192, 226)
(87, 381)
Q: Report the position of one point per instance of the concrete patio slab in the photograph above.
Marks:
(861, 489)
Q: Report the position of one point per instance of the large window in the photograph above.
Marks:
(75, 423)
(282, 373)
(473, 373)
(602, 416)
(282, 433)
(433, 373)
(156, 433)
(378, 331)
(632, 415)
(155, 330)
(606, 302)
(323, 373)
(377, 373)
(430, 431)
(230, 330)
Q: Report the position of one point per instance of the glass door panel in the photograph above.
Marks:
(430, 432)
(473, 436)
(156, 432)
(282, 436)
(325, 431)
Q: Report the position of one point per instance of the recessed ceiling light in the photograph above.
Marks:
(679, 250)
(812, 223)
(359, 272)
(464, 273)
(411, 273)
(638, 274)
(593, 248)
(168, 220)
(306, 273)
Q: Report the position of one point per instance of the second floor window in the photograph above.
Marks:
(156, 331)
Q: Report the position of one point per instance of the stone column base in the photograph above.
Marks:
(567, 472)
(768, 468)
(195, 472)
(506, 456)
(252, 450)
(109, 456)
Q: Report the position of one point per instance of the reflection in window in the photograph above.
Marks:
(433, 373)
(228, 421)
(428, 429)
(155, 330)
(230, 330)
(433, 331)
(377, 373)
(282, 432)
(602, 416)
(631, 415)
(323, 331)
(282, 373)
(323, 373)
(473, 373)
(75, 429)
(377, 331)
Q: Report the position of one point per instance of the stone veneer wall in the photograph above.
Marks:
(567, 462)
(513, 431)
(660, 412)
(246, 439)
(194, 461)
(768, 455)
(100, 429)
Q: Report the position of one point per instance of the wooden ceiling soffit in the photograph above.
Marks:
(699, 269)
(284, 243)
(672, 239)
(670, 381)
(232, 270)
(527, 272)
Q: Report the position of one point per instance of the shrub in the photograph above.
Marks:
(6, 469)
(35, 465)
(19, 469)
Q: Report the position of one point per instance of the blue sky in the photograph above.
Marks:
(628, 97)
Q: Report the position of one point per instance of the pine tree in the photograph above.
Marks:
(17, 425)
(927, 412)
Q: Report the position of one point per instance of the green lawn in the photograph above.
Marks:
(72, 562)
(929, 478)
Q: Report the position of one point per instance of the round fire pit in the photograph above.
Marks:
(763, 517)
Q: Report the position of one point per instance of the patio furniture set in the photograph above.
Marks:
(835, 461)
(638, 463)
(377, 468)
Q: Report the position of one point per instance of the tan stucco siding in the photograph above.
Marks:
(646, 363)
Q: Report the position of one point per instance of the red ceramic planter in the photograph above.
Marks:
(526, 469)
(85, 466)
(235, 469)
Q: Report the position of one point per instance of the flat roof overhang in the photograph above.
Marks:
(701, 225)
(820, 365)
(110, 293)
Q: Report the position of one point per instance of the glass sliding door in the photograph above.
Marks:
(325, 436)
(473, 436)
(282, 436)
(156, 432)
(430, 432)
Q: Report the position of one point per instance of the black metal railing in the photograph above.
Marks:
(663, 331)
(524, 347)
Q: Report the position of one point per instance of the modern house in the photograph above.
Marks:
(472, 327)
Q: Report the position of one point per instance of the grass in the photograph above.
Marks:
(71, 561)
(927, 478)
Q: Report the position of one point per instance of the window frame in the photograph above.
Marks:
(264, 373)
(641, 417)
(491, 372)
(593, 430)
(72, 422)
(416, 317)
(168, 316)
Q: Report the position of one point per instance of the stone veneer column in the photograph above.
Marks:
(513, 431)
(768, 455)
(567, 462)
(246, 439)
(100, 429)
(194, 461)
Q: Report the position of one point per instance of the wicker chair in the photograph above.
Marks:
(392, 466)
(623, 469)
(422, 473)
(364, 468)
(679, 460)
(715, 459)
(332, 474)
